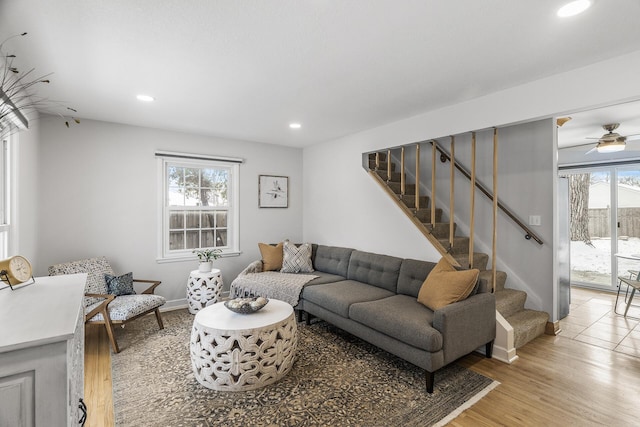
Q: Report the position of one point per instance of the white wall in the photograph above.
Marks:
(98, 196)
(343, 206)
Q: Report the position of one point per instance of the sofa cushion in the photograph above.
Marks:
(338, 296)
(400, 317)
(377, 270)
(331, 259)
(296, 259)
(412, 276)
(445, 285)
(271, 256)
(324, 278)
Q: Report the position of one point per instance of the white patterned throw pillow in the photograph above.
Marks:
(296, 259)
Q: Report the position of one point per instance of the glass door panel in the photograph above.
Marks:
(628, 219)
(592, 247)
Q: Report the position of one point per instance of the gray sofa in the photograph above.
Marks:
(374, 297)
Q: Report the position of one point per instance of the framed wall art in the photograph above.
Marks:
(273, 191)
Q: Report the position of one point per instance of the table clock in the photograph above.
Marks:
(16, 270)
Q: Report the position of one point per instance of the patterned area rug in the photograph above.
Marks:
(337, 379)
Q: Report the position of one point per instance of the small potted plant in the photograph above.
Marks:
(206, 257)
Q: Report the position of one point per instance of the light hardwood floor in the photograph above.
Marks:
(556, 381)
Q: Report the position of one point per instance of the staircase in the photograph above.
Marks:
(527, 324)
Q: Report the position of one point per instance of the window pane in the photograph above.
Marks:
(206, 197)
(192, 240)
(175, 176)
(221, 237)
(176, 220)
(176, 240)
(193, 219)
(221, 219)
(176, 196)
(207, 219)
(207, 240)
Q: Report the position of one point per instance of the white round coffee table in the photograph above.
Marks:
(203, 289)
(238, 352)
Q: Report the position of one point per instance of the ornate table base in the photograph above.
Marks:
(248, 355)
(203, 288)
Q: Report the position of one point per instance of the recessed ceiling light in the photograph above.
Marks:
(574, 8)
(145, 98)
(295, 125)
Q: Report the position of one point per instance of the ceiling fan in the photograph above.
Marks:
(611, 141)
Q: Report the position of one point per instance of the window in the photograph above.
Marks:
(199, 205)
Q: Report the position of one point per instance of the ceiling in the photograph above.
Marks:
(245, 69)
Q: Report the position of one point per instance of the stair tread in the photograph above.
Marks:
(527, 325)
(510, 301)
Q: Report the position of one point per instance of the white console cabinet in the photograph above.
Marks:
(42, 352)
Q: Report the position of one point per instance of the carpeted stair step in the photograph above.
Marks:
(440, 229)
(382, 173)
(409, 189)
(480, 260)
(510, 301)
(382, 166)
(424, 215)
(527, 325)
(501, 278)
(410, 201)
(382, 155)
(460, 245)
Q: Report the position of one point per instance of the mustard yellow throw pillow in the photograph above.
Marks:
(445, 285)
(271, 256)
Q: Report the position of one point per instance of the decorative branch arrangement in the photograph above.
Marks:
(16, 95)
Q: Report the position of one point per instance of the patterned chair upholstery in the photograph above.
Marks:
(103, 308)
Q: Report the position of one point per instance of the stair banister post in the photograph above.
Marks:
(434, 154)
(417, 199)
(472, 205)
(377, 160)
(451, 191)
(495, 208)
(402, 180)
(388, 165)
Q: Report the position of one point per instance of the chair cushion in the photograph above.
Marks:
(125, 307)
(120, 285)
(401, 317)
(95, 268)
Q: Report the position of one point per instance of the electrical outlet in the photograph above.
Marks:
(534, 220)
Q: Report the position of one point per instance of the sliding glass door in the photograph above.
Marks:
(604, 222)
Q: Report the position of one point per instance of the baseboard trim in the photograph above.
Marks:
(504, 355)
(175, 304)
(552, 328)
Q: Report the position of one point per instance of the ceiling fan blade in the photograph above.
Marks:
(592, 150)
(633, 137)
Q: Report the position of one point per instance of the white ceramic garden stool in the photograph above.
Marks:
(239, 352)
(203, 289)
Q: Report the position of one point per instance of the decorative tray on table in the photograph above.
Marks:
(246, 305)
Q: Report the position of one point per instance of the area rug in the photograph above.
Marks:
(337, 380)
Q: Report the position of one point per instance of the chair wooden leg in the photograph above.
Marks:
(109, 327)
(159, 318)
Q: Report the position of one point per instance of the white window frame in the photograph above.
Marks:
(166, 159)
(7, 192)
